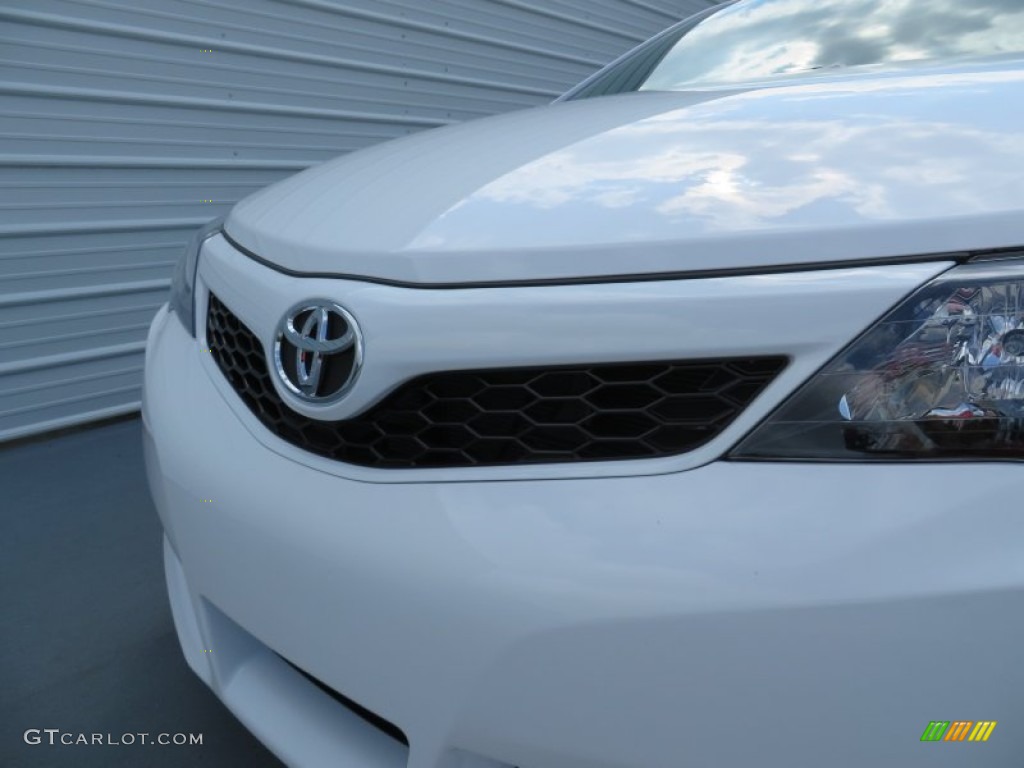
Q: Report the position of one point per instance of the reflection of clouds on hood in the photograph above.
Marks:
(730, 199)
(726, 188)
(765, 38)
(563, 177)
(731, 165)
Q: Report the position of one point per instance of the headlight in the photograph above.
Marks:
(183, 282)
(940, 377)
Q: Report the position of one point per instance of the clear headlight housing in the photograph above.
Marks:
(940, 377)
(183, 281)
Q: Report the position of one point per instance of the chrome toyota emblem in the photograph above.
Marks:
(318, 351)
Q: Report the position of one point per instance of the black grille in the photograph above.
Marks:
(507, 416)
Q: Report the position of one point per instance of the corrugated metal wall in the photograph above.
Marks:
(125, 124)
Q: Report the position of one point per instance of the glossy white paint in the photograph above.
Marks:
(736, 614)
(686, 611)
(923, 160)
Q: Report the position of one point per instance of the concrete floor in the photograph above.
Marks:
(86, 640)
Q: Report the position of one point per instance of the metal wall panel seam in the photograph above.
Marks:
(133, 388)
(337, 149)
(55, 383)
(109, 161)
(65, 422)
(130, 97)
(379, 90)
(118, 203)
(189, 41)
(167, 265)
(373, 46)
(135, 247)
(692, 6)
(42, 340)
(78, 316)
(668, 15)
(350, 131)
(617, 15)
(374, 38)
(141, 121)
(71, 205)
(68, 358)
(86, 292)
(94, 227)
(573, 20)
(365, 123)
(482, 18)
(169, 143)
(260, 90)
(419, 26)
(525, 21)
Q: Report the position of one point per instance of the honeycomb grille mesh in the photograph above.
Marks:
(507, 416)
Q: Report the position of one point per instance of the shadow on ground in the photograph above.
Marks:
(86, 640)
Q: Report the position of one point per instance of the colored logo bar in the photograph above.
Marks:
(958, 730)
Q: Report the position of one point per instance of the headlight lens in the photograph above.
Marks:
(940, 377)
(183, 282)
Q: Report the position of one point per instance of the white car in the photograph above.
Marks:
(679, 427)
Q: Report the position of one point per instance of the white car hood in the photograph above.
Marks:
(854, 167)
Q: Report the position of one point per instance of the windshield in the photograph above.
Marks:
(758, 39)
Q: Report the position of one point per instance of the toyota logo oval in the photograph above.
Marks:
(318, 351)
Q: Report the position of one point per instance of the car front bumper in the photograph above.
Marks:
(733, 614)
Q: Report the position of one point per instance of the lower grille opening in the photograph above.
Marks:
(371, 718)
(506, 416)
